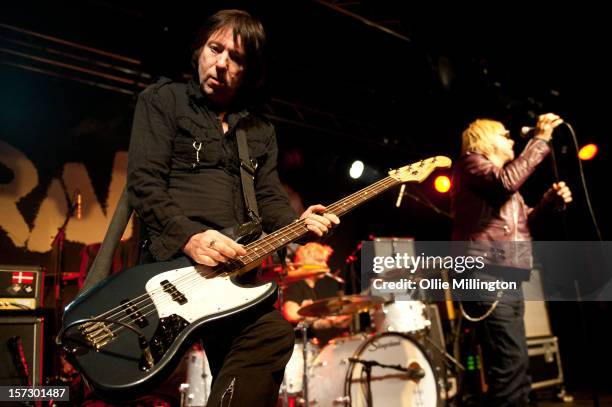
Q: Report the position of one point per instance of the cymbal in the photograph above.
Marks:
(304, 272)
(348, 304)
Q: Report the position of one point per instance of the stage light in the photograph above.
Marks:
(588, 152)
(442, 184)
(356, 169)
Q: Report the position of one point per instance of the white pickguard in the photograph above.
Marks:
(205, 296)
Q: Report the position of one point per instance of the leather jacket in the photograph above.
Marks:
(488, 211)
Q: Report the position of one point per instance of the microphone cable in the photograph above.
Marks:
(582, 181)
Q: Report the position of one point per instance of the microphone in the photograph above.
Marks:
(527, 131)
(414, 371)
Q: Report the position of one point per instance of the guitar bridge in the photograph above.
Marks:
(98, 334)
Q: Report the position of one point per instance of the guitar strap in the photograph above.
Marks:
(248, 167)
(101, 265)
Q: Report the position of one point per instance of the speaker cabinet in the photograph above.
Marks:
(537, 323)
(21, 348)
(390, 246)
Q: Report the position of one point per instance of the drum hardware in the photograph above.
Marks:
(304, 329)
(445, 353)
(292, 273)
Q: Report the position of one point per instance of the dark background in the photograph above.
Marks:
(342, 90)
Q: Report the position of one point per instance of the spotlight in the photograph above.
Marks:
(442, 184)
(356, 169)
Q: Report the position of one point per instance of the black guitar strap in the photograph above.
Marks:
(101, 265)
(247, 175)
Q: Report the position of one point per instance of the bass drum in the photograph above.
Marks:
(336, 381)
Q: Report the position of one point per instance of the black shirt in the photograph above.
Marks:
(324, 288)
(179, 191)
(300, 290)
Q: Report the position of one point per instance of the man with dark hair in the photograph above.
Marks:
(490, 215)
(184, 181)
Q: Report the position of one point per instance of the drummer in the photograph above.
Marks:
(313, 282)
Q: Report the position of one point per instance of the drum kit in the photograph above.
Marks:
(384, 367)
(387, 367)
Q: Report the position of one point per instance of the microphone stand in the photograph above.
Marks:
(350, 260)
(425, 201)
(57, 260)
(304, 328)
(367, 366)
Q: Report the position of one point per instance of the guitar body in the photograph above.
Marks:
(169, 319)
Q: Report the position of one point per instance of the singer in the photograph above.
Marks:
(487, 206)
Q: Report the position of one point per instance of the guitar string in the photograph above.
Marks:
(129, 316)
(239, 263)
(341, 204)
(342, 208)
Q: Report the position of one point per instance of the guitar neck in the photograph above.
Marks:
(263, 247)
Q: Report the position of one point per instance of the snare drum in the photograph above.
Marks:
(400, 316)
(335, 381)
(294, 371)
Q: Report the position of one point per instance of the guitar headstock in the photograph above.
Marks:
(420, 170)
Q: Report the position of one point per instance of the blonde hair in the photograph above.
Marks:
(313, 253)
(478, 136)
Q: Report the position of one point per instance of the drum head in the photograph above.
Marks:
(336, 380)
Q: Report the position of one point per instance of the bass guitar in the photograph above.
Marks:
(127, 334)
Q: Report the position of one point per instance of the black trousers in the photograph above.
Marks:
(504, 346)
(247, 354)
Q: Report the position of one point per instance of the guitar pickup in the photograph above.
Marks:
(133, 312)
(176, 295)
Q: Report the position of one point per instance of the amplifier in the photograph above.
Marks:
(21, 288)
(390, 246)
(21, 354)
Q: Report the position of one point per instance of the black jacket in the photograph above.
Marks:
(178, 191)
(487, 206)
